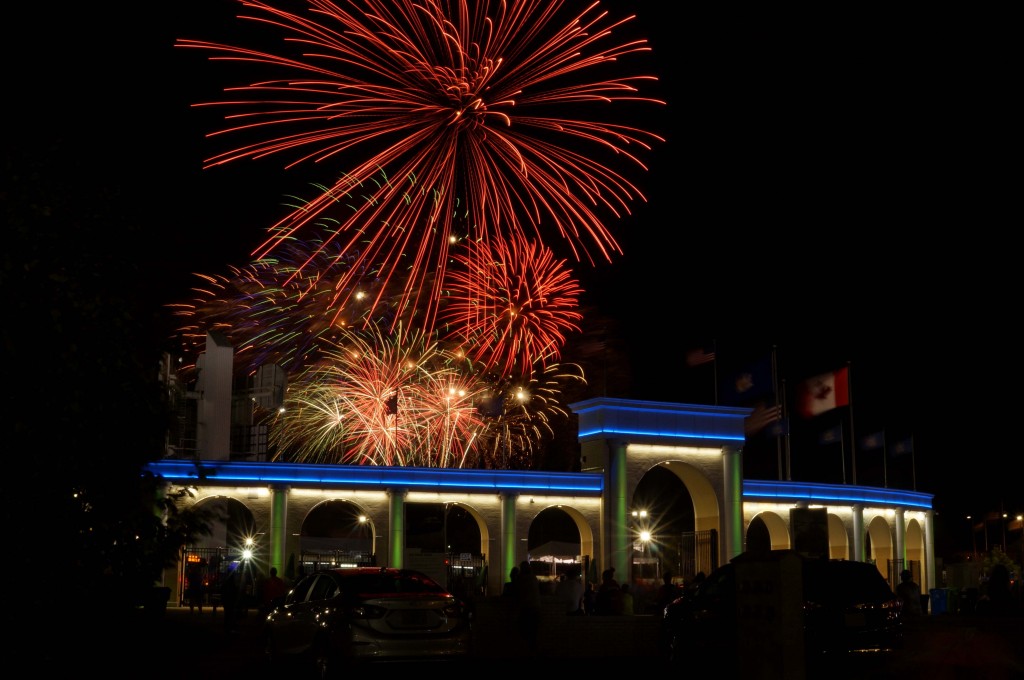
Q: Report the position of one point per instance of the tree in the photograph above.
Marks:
(82, 397)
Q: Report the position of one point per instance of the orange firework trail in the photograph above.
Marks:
(505, 104)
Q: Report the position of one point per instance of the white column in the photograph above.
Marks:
(901, 538)
(858, 534)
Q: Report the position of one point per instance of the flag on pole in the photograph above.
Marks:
(701, 355)
(750, 383)
(824, 392)
(833, 435)
(902, 447)
(391, 404)
(873, 441)
(760, 418)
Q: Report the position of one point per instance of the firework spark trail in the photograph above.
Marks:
(270, 314)
(511, 304)
(523, 414)
(338, 410)
(437, 94)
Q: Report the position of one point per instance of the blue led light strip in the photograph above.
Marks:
(373, 476)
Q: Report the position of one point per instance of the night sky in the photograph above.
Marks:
(827, 188)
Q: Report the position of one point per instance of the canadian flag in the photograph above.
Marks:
(824, 392)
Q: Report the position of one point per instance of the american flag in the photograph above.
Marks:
(696, 357)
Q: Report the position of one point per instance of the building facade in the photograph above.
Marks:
(621, 442)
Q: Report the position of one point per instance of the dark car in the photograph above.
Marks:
(779, 602)
(343, 616)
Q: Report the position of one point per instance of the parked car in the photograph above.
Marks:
(843, 607)
(338, 617)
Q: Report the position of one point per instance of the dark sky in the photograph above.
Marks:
(827, 187)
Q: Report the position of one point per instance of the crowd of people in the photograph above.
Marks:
(607, 598)
(235, 589)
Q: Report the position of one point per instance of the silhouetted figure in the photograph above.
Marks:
(609, 595)
(528, 595)
(627, 600)
(589, 599)
(667, 593)
(569, 592)
(694, 584)
(511, 585)
(909, 594)
(997, 599)
(272, 592)
(195, 589)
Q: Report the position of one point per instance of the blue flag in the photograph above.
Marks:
(902, 447)
(873, 441)
(750, 383)
(833, 435)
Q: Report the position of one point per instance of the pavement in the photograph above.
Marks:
(178, 643)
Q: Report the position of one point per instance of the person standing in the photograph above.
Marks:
(667, 593)
(627, 600)
(511, 585)
(528, 593)
(569, 592)
(609, 595)
(273, 592)
(589, 599)
(195, 589)
(909, 594)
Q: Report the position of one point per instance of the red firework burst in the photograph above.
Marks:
(511, 304)
(418, 103)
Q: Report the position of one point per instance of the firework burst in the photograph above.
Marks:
(371, 399)
(522, 414)
(416, 103)
(510, 303)
(273, 313)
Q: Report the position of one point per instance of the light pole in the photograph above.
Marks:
(1003, 524)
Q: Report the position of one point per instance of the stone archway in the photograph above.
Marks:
(880, 541)
(336, 532)
(767, 531)
(675, 502)
(233, 529)
(838, 539)
(560, 539)
(915, 551)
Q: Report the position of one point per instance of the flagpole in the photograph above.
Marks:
(714, 366)
(885, 464)
(842, 450)
(913, 465)
(778, 441)
(785, 414)
(853, 437)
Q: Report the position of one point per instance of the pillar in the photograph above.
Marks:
(732, 501)
(617, 511)
(857, 554)
(929, 551)
(508, 556)
(901, 539)
(278, 526)
(396, 522)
